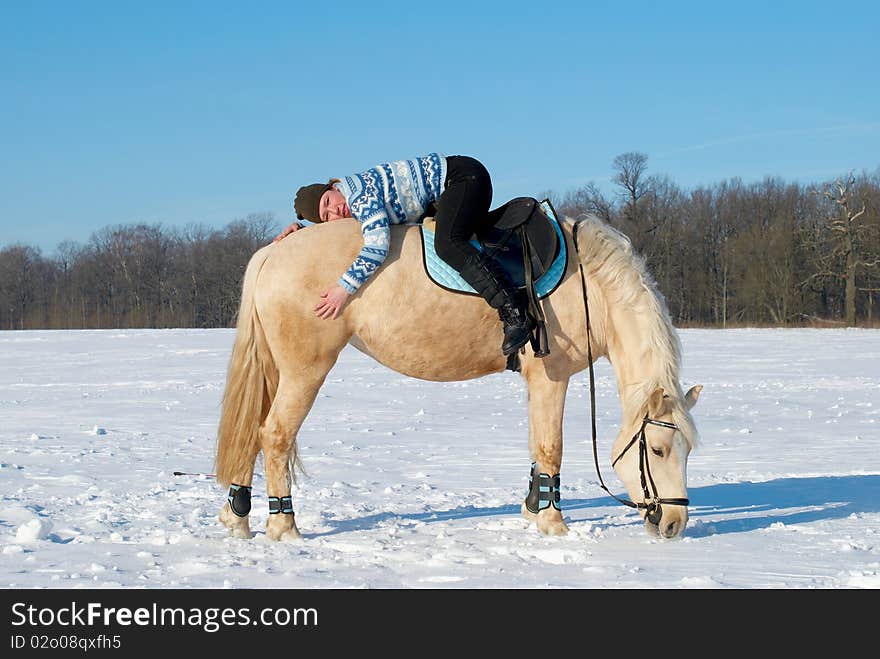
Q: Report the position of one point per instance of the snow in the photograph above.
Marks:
(36, 528)
(414, 484)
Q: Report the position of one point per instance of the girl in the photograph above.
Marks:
(402, 191)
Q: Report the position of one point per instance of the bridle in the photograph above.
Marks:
(651, 499)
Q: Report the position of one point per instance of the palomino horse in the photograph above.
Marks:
(283, 352)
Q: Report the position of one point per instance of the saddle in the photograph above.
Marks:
(522, 239)
(526, 240)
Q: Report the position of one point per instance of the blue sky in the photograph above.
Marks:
(202, 112)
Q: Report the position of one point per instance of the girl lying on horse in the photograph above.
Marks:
(402, 191)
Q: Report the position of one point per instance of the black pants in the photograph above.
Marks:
(462, 209)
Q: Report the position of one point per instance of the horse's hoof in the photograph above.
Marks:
(282, 532)
(290, 536)
(552, 526)
(528, 514)
(239, 526)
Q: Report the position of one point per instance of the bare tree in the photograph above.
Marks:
(18, 270)
(630, 176)
(630, 169)
(589, 200)
(840, 242)
(662, 210)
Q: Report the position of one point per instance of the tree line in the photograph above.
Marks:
(732, 254)
(727, 254)
(132, 276)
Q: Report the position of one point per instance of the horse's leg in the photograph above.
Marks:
(546, 403)
(291, 405)
(239, 524)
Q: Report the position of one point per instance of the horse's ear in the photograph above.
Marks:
(690, 398)
(656, 403)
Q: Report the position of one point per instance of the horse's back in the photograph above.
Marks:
(398, 316)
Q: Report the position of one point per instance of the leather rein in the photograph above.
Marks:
(651, 503)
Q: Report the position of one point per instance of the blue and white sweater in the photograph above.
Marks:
(391, 193)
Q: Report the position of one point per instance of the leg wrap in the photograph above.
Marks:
(543, 492)
(239, 499)
(280, 505)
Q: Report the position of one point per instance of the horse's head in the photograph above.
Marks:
(650, 456)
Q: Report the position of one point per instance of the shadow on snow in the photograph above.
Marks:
(753, 506)
(745, 506)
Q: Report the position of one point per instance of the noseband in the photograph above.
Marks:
(651, 501)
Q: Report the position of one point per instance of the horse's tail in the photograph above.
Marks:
(251, 383)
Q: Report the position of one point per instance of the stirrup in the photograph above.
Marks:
(540, 346)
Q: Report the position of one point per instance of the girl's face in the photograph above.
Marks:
(332, 206)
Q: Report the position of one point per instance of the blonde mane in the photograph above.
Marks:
(609, 260)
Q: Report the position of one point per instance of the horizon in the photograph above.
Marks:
(207, 113)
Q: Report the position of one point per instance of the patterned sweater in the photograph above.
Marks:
(390, 193)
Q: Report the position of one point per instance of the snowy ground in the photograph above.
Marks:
(415, 484)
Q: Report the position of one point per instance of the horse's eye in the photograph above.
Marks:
(657, 451)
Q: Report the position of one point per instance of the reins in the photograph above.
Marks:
(652, 500)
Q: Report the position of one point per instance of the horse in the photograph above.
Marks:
(282, 353)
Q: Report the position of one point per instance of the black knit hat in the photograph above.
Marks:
(307, 199)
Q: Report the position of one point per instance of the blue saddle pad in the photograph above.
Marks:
(447, 277)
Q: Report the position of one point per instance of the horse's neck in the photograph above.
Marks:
(633, 327)
(639, 362)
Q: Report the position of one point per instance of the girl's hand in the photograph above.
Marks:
(289, 230)
(332, 300)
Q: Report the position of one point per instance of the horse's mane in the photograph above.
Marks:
(609, 259)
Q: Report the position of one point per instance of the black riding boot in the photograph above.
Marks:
(488, 278)
(518, 324)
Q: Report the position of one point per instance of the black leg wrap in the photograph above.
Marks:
(543, 492)
(280, 505)
(239, 499)
(532, 496)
